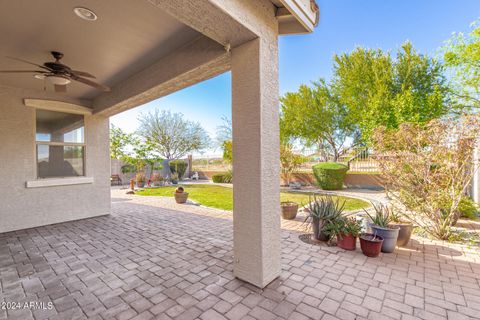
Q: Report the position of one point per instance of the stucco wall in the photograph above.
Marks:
(22, 207)
(352, 180)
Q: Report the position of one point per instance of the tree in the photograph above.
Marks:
(227, 151)
(142, 156)
(289, 161)
(315, 115)
(224, 131)
(428, 168)
(462, 56)
(224, 139)
(378, 90)
(170, 135)
(119, 141)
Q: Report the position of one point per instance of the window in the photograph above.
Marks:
(60, 144)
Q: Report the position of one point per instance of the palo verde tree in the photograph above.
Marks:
(380, 90)
(315, 115)
(119, 142)
(170, 135)
(462, 56)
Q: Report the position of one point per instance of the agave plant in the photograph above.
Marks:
(383, 215)
(322, 210)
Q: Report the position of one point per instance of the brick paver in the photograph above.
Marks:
(154, 259)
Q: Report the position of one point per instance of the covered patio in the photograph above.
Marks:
(64, 76)
(152, 258)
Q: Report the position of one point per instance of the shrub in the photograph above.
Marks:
(156, 177)
(127, 168)
(427, 169)
(174, 177)
(140, 177)
(225, 177)
(343, 226)
(330, 175)
(179, 167)
(289, 162)
(218, 177)
(228, 177)
(467, 208)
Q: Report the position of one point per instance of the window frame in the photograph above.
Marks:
(62, 144)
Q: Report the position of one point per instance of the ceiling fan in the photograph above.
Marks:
(58, 74)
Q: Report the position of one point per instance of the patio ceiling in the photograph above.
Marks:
(113, 48)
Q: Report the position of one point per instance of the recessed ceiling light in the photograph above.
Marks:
(85, 14)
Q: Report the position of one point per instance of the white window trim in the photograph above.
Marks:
(46, 105)
(58, 106)
(54, 182)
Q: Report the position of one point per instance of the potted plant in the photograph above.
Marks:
(381, 227)
(174, 178)
(180, 195)
(371, 244)
(289, 209)
(364, 220)
(320, 211)
(346, 230)
(405, 228)
(140, 178)
(157, 179)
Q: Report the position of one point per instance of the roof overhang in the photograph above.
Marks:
(297, 16)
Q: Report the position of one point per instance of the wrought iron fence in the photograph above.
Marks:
(358, 159)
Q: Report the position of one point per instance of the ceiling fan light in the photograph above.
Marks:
(85, 14)
(39, 76)
(58, 80)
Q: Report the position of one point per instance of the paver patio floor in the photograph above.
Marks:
(152, 259)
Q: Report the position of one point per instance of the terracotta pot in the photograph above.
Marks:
(347, 242)
(140, 184)
(389, 235)
(404, 233)
(181, 197)
(289, 210)
(371, 247)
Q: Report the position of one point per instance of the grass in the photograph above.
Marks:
(222, 197)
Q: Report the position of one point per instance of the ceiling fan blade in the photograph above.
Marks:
(82, 74)
(22, 71)
(32, 63)
(91, 83)
(60, 88)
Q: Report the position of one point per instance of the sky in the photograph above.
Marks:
(344, 25)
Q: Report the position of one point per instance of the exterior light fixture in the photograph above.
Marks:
(85, 14)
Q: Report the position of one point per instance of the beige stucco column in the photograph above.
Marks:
(256, 214)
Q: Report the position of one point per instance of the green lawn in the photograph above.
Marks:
(222, 197)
